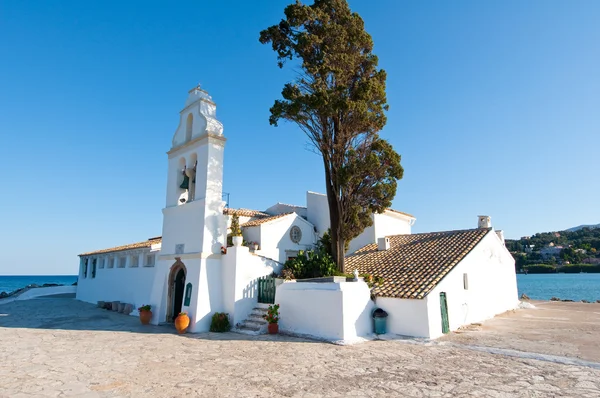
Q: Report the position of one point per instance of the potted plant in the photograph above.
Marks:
(145, 314)
(254, 245)
(182, 322)
(236, 231)
(272, 317)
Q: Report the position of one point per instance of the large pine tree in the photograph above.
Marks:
(338, 100)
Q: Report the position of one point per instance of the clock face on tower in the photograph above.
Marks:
(295, 234)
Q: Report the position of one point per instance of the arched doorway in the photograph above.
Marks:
(176, 287)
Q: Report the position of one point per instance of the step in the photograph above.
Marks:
(247, 326)
(262, 306)
(254, 324)
(256, 317)
(247, 331)
(260, 309)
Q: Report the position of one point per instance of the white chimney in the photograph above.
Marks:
(383, 243)
(500, 234)
(484, 222)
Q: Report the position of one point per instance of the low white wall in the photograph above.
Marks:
(405, 317)
(40, 292)
(240, 271)
(330, 311)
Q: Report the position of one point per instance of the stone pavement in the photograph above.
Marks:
(61, 347)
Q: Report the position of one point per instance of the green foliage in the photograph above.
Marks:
(338, 100)
(567, 269)
(235, 226)
(145, 307)
(220, 322)
(578, 247)
(272, 314)
(540, 269)
(310, 264)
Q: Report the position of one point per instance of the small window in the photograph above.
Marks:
(85, 267)
(94, 262)
(150, 260)
(466, 281)
(135, 261)
(101, 262)
(122, 262)
(111, 262)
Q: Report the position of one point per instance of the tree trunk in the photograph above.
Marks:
(335, 223)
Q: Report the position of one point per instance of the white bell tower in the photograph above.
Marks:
(193, 220)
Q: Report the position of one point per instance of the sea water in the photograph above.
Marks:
(11, 283)
(575, 287)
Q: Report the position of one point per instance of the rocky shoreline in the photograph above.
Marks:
(526, 297)
(31, 286)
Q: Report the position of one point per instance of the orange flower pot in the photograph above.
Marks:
(182, 322)
(273, 328)
(145, 317)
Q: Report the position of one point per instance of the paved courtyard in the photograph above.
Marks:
(552, 328)
(60, 347)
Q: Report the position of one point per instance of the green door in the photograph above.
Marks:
(444, 306)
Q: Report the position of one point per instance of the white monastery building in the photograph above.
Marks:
(433, 283)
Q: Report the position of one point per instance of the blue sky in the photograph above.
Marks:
(494, 107)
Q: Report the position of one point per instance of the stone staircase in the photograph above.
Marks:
(254, 324)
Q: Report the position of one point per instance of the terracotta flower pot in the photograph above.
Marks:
(273, 328)
(145, 317)
(182, 322)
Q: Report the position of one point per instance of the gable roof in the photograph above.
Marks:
(259, 221)
(137, 245)
(414, 264)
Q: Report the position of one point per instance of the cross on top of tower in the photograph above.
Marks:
(197, 88)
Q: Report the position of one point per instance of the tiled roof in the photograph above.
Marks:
(401, 212)
(244, 212)
(259, 221)
(138, 245)
(414, 264)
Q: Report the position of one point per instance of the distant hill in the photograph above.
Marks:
(583, 226)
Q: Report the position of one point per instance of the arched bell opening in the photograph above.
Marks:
(177, 277)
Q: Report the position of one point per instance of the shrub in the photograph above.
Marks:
(310, 264)
(146, 307)
(220, 322)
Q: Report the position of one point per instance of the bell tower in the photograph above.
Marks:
(193, 220)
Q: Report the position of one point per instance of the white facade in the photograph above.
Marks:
(275, 238)
(191, 269)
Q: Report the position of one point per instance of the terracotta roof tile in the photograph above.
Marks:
(414, 264)
(138, 245)
(259, 221)
(244, 212)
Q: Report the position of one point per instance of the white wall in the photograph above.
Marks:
(128, 285)
(405, 317)
(390, 223)
(317, 211)
(385, 224)
(252, 234)
(240, 271)
(492, 287)
(275, 237)
(331, 311)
